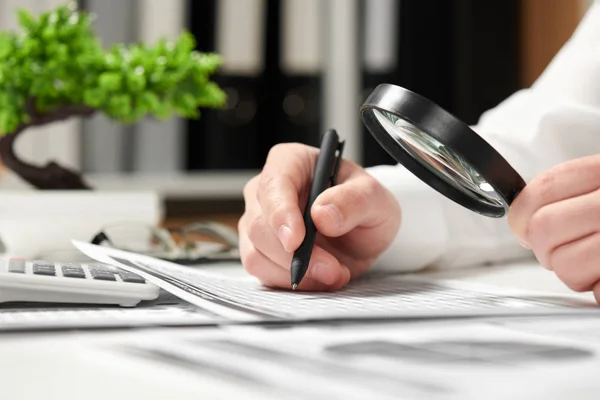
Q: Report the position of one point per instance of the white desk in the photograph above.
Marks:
(53, 366)
(528, 275)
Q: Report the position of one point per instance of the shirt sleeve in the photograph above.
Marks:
(555, 120)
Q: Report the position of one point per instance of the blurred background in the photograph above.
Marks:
(293, 68)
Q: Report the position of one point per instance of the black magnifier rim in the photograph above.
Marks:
(457, 136)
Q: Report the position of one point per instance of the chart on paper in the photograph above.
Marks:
(508, 358)
(388, 296)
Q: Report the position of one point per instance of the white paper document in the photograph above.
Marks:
(377, 297)
(165, 311)
(483, 359)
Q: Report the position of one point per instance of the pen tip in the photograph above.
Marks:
(294, 286)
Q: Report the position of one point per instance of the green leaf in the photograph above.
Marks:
(4, 115)
(62, 53)
(94, 97)
(120, 105)
(150, 101)
(163, 111)
(6, 45)
(9, 121)
(136, 114)
(207, 62)
(27, 20)
(136, 80)
(212, 95)
(110, 81)
(49, 33)
(161, 47)
(185, 42)
(31, 47)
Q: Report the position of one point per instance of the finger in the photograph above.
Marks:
(273, 275)
(285, 175)
(596, 290)
(360, 203)
(563, 222)
(573, 178)
(251, 205)
(353, 259)
(277, 278)
(323, 266)
(577, 264)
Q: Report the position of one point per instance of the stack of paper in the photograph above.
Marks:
(385, 336)
(375, 297)
(508, 358)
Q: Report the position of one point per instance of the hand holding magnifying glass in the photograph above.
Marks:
(557, 216)
(441, 150)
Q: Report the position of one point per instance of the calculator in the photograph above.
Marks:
(23, 280)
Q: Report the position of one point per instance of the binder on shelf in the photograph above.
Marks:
(380, 61)
(106, 145)
(230, 137)
(300, 67)
(459, 54)
(486, 55)
(201, 23)
(464, 57)
(426, 49)
(341, 85)
(158, 145)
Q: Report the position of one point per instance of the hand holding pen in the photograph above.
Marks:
(324, 176)
(355, 221)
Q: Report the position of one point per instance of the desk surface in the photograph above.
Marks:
(229, 219)
(52, 366)
(528, 275)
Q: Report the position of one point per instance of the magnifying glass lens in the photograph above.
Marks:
(436, 157)
(441, 150)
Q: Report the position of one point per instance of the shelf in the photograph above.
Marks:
(184, 186)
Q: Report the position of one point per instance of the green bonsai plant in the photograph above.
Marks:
(56, 68)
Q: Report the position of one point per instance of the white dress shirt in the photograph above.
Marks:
(555, 120)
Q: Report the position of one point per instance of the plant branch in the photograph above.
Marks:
(52, 175)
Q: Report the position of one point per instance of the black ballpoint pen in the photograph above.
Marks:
(325, 174)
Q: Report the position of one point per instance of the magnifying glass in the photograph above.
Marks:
(441, 150)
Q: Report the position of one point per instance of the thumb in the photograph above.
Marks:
(360, 201)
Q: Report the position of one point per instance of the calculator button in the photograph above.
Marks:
(16, 265)
(102, 274)
(131, 277)
(104, 277)
(43, 264)
(100, 270)
(103, 268)
(72, 271)
(44, 268)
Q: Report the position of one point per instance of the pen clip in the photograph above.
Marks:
(338, 161)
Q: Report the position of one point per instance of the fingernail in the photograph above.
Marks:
(524, 244)
(320, 271)
(285, 236)
(334, 213)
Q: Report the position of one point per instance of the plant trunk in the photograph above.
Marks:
(52, 176)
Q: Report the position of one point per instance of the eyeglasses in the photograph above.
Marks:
(179, 245)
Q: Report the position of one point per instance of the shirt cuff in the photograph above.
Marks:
(423, 235)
